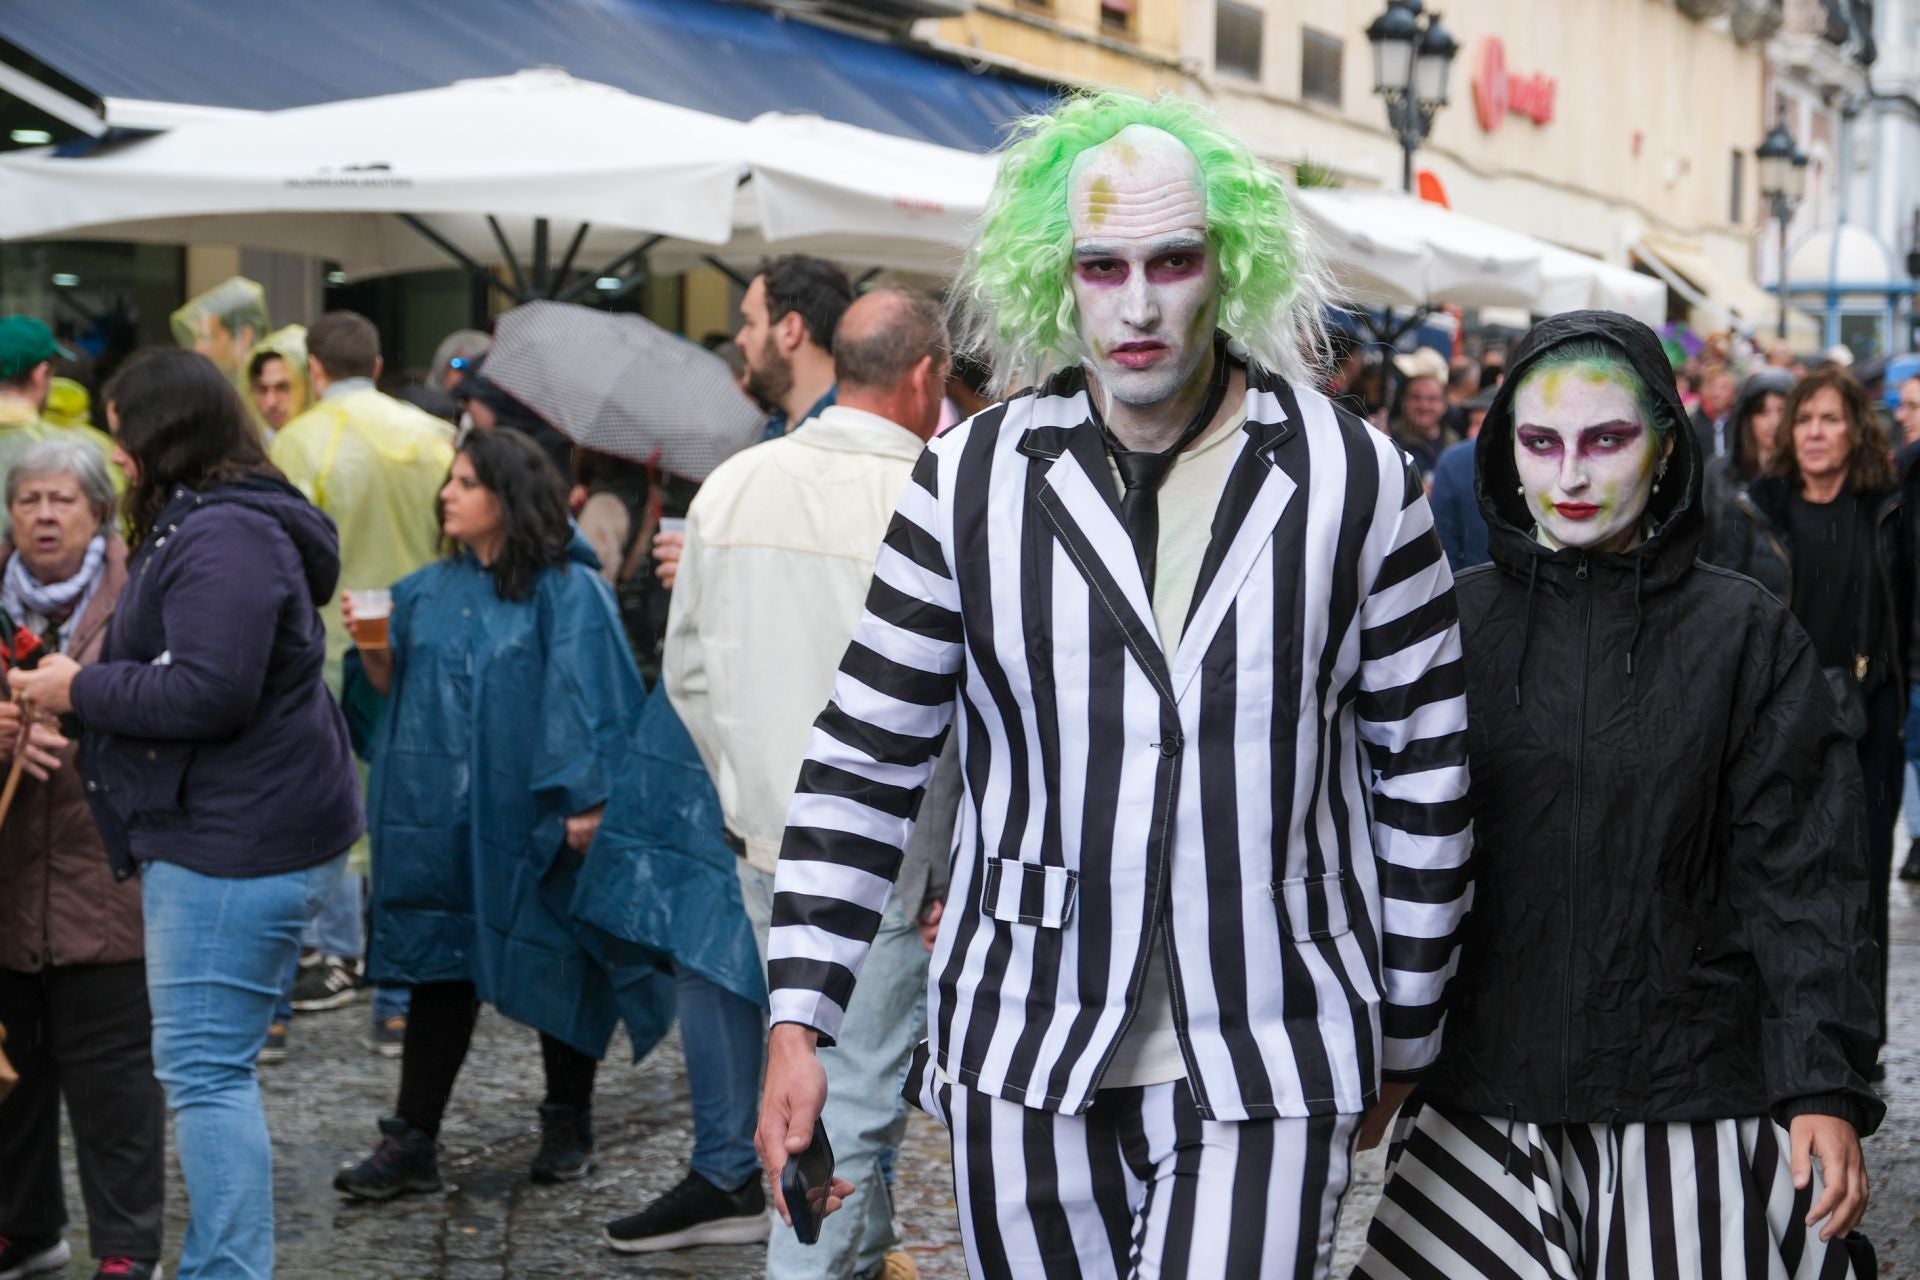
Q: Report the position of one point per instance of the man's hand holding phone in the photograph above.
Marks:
(796, 1091)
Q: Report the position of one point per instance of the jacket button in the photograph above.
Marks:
(1170, 745)
(151, 754)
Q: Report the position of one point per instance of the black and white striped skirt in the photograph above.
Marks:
(1476, 1196)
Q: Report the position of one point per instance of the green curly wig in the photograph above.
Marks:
(1015, 299)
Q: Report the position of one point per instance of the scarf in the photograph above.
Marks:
(22, 595)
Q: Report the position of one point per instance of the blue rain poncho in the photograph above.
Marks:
(504, 719)
(661, 877)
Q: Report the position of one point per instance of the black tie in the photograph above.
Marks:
(1141, 474)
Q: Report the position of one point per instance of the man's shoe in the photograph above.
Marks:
(897, 1266)
(25, 1256)
(695, 1212)
(274, 1050)
(326, 985)
(566, 1143)
(406, 1160)
(1910, 870)
(387, 1038)
(128, 1269)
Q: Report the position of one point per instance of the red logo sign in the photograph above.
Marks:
(1497, 92)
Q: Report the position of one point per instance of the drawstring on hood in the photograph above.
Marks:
(1673, 517)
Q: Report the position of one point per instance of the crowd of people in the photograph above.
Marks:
(1176, 823)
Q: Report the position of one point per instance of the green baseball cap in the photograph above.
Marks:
(24, 343)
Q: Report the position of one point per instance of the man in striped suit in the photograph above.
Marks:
(1198, 639)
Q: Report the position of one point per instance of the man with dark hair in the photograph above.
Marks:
(782, 539)
(787, 320)
(374, 464)
(277, 378)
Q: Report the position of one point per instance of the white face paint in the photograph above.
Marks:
(1587, 460)
(1144, 279)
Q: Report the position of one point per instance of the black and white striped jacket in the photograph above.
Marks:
(1288, 788)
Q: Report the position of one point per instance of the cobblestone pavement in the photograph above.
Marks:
(494, 1223)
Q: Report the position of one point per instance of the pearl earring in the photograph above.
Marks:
(1520, 489)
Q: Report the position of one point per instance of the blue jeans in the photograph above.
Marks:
(217, 950)
(866, 1117)
(724, 1039)
(339, 929)
(1911, 798)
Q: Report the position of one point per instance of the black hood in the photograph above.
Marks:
(1678, 524)
(1768, 381)
(311, 531)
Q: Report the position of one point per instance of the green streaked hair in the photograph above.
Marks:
(1595, 360)
(1015, 299)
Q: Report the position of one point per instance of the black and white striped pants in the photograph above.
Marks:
(1140, 1186)
(1469, 1196)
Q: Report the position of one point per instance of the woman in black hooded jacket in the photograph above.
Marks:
(1662, 1012)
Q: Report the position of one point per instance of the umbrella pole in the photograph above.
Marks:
(19, 760)
(454, 251)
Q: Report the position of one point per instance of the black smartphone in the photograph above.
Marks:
(804, 1183)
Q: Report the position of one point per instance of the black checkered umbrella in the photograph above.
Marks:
(623, 385)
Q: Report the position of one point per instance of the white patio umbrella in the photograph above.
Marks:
(327, 180)
(480, 164)
(1388, 249)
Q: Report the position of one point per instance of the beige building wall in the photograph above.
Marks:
(1649, 106)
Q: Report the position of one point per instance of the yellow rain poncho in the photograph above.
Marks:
(68, 404)
(375, 465)
(290, 344)
(21, 425)
(223, 324)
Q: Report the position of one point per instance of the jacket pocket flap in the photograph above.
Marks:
(1028, 893)
(1313, 908)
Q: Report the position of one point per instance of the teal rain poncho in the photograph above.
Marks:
(504, 719)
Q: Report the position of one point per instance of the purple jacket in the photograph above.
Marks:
(210, 740)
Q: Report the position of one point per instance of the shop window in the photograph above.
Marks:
(1320, 67)
(1116, 17)
(1736, 203)
(1237, 33)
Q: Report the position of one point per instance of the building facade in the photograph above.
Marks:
(1622, 129)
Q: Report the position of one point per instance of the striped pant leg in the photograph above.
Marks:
(1712, 1200)
(1044, 1195)
(1474, 1196)
(1239, 1198)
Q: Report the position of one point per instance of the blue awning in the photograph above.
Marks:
(728, 59)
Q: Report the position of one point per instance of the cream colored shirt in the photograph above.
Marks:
(1150, 1051)
(781, 542)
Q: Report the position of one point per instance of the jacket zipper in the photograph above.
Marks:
(1573, 869)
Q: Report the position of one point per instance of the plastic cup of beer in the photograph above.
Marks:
(371, 609)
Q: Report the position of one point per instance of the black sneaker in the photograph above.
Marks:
(405, 1160)
(695, 1212)
(1911, 869)
(387, 1037)
(566, 1143)
(326, 985)
(274, 1050)
(128, 1269)
(25, 1256)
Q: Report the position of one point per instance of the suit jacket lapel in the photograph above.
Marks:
(1076, 497)
(1259, 487)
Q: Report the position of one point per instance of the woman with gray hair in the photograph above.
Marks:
(73, 979)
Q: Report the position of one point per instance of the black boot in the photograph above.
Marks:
(566, 1143)
(1911, 871)
(406, 1160)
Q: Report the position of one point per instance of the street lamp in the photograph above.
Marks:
(1412, 58)
(1783, 182)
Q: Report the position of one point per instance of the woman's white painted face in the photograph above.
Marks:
(1587, 460)
(1144, 279)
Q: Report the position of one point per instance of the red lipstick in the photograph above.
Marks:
(1576, 510)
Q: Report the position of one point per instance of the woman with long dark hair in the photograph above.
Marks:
(1822, 529)
(217, 766)
(512, 699)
